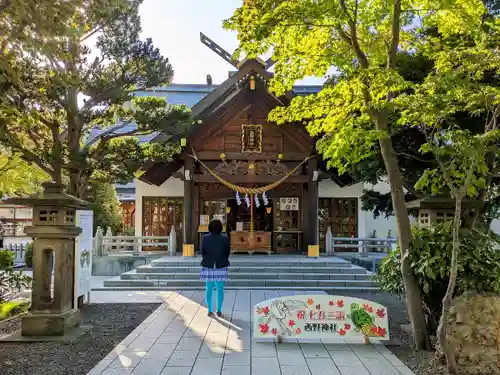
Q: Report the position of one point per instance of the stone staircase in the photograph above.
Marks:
(275, 272)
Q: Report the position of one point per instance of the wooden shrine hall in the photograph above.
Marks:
(232, 145)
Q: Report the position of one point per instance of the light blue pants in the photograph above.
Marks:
(210, 292)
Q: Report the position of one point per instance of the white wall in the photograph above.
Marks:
(381, 225)
(173, 187)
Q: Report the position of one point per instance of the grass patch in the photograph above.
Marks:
(12, 308)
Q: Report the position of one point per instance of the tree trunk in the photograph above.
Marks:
(447, 347)
(413, 299)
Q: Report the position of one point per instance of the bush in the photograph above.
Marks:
(11, 282)
(13, 308)
(6, 259)
(28, 255)
(430, 257)
(107, 207)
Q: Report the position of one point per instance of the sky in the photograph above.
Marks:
(175, 26)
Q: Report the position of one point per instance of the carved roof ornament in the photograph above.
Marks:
(228, 56)
(244, 168)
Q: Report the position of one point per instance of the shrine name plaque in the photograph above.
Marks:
(320, 317)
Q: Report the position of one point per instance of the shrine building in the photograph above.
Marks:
(233, 145)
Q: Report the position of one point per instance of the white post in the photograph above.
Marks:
(172, 242)
(361, 245)
(98, 245)
(135, 245)
(328, 242)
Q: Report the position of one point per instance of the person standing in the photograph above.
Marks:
(215, 250)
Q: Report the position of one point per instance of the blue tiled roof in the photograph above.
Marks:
(187, 94)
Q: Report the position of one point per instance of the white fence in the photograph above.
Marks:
(363, 245)
(19, 249)
(109, 244)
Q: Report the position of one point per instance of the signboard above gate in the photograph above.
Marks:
(320, 317)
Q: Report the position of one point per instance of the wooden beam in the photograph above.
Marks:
(188, 209)
(219, 50)
(215, 155)
(312, 203)
(250, 179)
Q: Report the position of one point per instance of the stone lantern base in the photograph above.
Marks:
(49, 324)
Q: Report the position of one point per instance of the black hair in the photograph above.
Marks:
(215, 226)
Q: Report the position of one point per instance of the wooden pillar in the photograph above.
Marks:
(312, 203)
(189, 204)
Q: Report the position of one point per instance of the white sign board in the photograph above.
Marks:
(83, 253)
(320, 317)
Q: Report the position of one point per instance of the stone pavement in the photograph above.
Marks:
(179, 339)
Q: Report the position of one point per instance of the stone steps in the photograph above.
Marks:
(255, 269)
(134, 275)
(249, 272)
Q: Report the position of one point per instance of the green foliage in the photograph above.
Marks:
(12, 308)
(107, 208)
(430, 258)
(11, 281)
(45, 73)
(28, 255)
(6, 259)
(378, 52)
(18, 177)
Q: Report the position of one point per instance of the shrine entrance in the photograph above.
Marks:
(277, 224)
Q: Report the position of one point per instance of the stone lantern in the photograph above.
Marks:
(437, 209)
(53, 232)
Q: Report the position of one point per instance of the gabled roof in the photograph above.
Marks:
(157, 173)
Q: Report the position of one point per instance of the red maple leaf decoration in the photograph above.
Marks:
(340, 303)
(298, 331)
(347, 327)
(374, 330)
(265, 310)
(264, 328)
(381, 332)
(342, 332)
(291, 323)
(368, 308)
(381, 313)
(310, 301)
(274, 331)
(331, 303)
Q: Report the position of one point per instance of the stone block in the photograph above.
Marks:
(49, 324)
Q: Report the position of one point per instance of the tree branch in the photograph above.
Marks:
(396, 32)
(361, 56)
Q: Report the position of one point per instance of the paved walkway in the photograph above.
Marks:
(179, 339)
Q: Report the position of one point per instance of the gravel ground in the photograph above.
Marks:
(422, 362)
(111, 324)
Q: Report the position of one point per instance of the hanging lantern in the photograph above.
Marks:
(268, 210)
(252, 83)
(228, 210)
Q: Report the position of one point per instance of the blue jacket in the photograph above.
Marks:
(215, 250)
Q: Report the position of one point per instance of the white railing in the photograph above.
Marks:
(19, 249)
(109, 244)
(363, 245)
